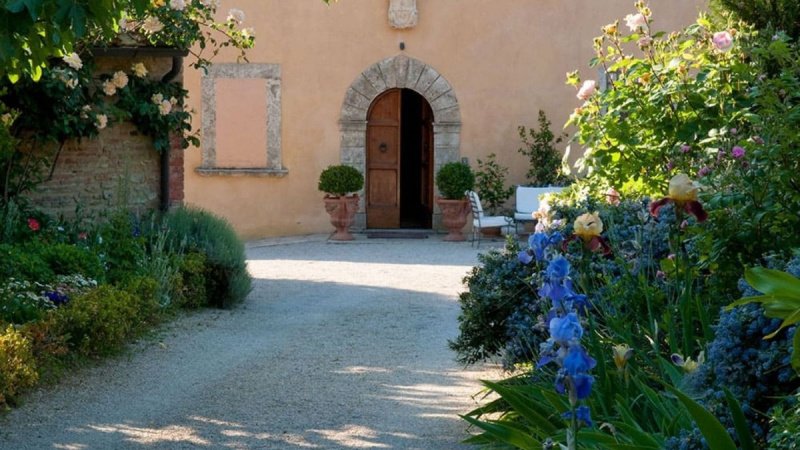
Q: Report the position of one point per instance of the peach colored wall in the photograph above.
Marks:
(505, 59)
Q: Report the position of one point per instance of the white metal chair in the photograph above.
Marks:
(479, 220)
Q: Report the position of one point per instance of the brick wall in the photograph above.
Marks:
(118, 168)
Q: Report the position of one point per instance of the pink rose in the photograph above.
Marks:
(587, 89)
(612, 196)
(722, 40)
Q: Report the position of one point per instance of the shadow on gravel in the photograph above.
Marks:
(300, 365)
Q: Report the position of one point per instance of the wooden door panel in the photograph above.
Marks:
(383, 161)
(383, 146)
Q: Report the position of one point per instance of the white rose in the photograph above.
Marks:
(177, 5)
(236, 15)
(587, 89)
(101, 120)
(157, 98)
(635, 22)
(152, 25)
(165, 107)
(139, 70)
(109, 88)
(119, 80)
(73, 60)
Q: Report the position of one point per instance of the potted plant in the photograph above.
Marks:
(453, 180)
(490, 184)
(545, 160)
(337, 182)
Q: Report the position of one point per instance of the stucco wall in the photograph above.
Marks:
(505, 60)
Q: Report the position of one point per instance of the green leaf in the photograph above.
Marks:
(795, 351)
(773, 282)
(716, 435)
(739, 422)
(524, 406)
(506, 433)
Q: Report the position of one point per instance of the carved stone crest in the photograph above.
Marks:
(403, 13)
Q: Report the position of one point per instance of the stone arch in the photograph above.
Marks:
(399, 71)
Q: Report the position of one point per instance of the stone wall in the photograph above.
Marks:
(118, 168)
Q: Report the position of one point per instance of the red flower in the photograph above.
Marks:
(83, 235)
(33, 224)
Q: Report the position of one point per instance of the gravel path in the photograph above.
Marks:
(340, 346)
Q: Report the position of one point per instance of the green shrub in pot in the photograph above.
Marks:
(340, 180)
(453, 179)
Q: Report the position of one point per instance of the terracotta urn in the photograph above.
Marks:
(343, 212)
(454, 217)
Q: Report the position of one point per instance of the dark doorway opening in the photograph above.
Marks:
(399, 161)
(415, 161)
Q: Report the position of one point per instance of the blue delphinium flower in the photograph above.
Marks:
(57, 298)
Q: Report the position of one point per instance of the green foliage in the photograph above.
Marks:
(39, 30)
(121, 246)
(695, 95)
(17, 365)
(340, 180)
(781, 300)
(68, 259)
(454, 179)
(783, 15)
(544, 159)
(784, 427)
(490, 183)
(143, 101)
(227, 280)
(15, 262)
(98, 322)
(496, 289)
(22, 301)
(192, 292)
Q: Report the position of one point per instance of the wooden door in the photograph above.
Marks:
(383, 161)
(426, 164)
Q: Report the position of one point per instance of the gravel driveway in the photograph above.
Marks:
(339, 346)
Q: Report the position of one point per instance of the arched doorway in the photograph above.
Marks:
(399, 163)
(399, 72)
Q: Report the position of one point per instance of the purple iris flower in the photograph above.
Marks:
(578, 361)
(582, 414)
(558, 269)
(566, 329)
(583, 385)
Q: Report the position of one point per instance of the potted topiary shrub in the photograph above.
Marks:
(453, 180)
(337, 182)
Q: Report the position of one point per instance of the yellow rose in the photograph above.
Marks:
(682, 189)
(588, 226)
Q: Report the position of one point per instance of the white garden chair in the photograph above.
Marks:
(480, 221)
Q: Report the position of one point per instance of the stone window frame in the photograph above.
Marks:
(399, 71)
(271, 74)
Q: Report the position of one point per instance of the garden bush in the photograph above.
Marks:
(226, 279)
(68, 259)
(17, 365)
(192, 293)
(19, 263)
(98, 323)
(497, 288)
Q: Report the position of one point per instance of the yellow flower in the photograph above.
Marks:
(622, 353)
(682, 188)
(588, 226)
